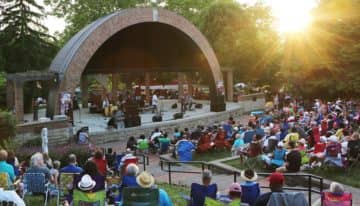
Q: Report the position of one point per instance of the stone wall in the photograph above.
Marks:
(252, 102)
(60, 131)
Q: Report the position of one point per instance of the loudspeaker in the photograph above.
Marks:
(157, 118)
(174, 106)
(132, 121)
(198, 106)
(217, 104)
(178, 115)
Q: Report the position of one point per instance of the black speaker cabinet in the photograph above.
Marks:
(157, 118)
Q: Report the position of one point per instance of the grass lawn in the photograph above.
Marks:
(39, 200)
(211, 155)
(175, 192)
(350, 177)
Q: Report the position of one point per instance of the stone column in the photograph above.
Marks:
(10, 94)
(114, 86)
(189, 83)
(229, 85)
(147, 87)
(180, 85)
(84, 91)
(19, 101)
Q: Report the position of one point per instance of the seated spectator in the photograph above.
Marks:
(71, 167)
(276, 181)
(176, 135)
(250, 188)
(5, 167)
(301, 144)
(37, 165)
(318, 152)
(164, 142)
(54, 172)
(205, 144)
(101, 162)
(276, 159)
(234, 195)
(292, 136)
(354, 147)
(199, 192)
(238, 145)
(277, 196)
(131, 144)
(10, 196)
(333, 152)
(91, 169)
(128, 155)
(129, 179)
(13, 161)
(86, 184)
(145, 180)
(293, 160)
(335, 196)
(143, 144)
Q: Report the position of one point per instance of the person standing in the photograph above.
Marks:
(155, 103)
(35, 110)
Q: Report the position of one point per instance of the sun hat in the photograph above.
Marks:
(336, 188)
(276, 178)
(333, 138)
(323, 139)
(249, 175)
(235, 187)
(145, 180)
(86, 183)
(280, 144)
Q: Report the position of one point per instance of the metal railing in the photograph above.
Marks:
(143, 159)
(310, 187)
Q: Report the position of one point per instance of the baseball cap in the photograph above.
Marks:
(276, 178)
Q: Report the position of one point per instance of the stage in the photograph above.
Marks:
(100, 133)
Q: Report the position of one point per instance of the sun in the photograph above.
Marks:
(292, 15)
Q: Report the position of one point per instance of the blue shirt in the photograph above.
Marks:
(7, 168)
(71, 168)
(164, 199)
(238, 143)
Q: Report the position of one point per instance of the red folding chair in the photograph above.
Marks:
(329, 199)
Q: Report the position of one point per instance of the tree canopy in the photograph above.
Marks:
(25, 44)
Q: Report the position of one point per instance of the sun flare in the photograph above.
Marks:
(292, 15)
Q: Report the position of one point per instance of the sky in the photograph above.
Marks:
(292, 15)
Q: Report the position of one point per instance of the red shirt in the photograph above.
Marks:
(101, 165)
(319, 147)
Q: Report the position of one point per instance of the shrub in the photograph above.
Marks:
(7, 127)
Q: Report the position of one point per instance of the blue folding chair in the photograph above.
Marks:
(199, 192)
(249, 193)
(34, 183)
(248, 136)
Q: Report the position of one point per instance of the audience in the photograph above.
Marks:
(37, 165)
(276, 181)
(293, 160)
(72, 166)
(146, 180)
(5, 167)
(250, 188)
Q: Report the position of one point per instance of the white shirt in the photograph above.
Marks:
(155, 100)
(11, 196)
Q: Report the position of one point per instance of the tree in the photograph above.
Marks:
(241, 37)
(325, 59)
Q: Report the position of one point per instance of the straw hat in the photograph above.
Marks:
(145, 180)
(86, 183)
(249, 175)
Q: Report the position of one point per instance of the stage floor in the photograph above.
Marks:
(98, 123)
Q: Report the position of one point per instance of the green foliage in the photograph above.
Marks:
(242, 38)
(25, 42)
(7, 127)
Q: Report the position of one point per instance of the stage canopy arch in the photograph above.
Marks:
(134, 40)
